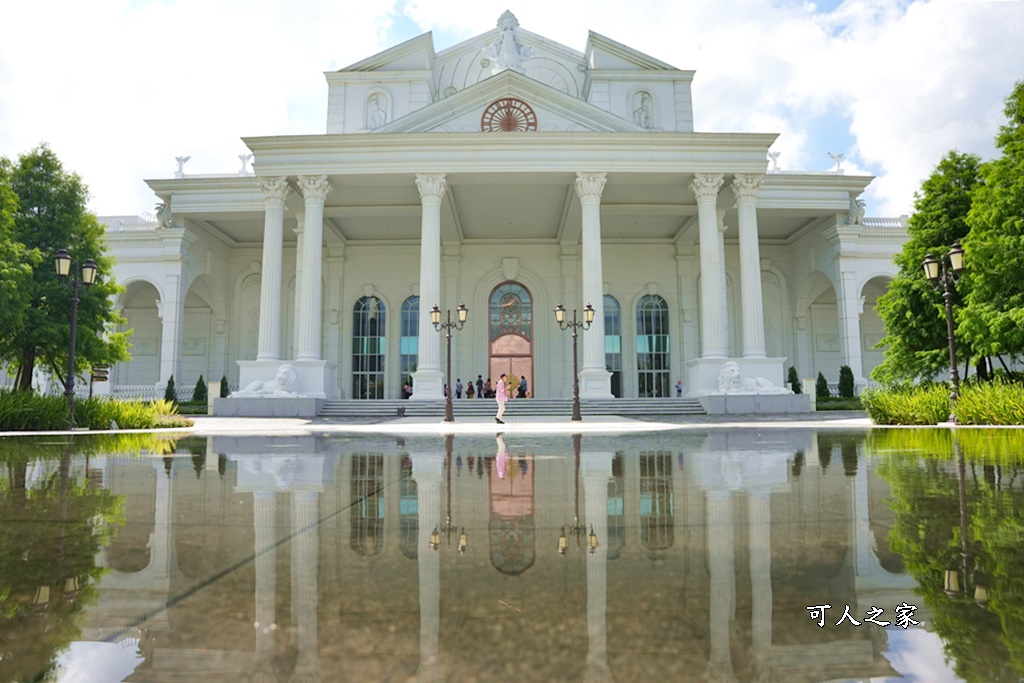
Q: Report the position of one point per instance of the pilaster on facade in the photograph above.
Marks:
(851, 305)
(171, 311)
(428, 380)
(595, 380)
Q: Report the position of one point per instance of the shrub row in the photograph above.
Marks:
(994, 403)
(27, 411)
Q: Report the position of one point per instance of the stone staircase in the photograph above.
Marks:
(483, 409)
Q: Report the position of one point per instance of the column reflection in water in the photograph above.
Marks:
(597, 473)
(726, 466)
(269, 477)
(427, 469)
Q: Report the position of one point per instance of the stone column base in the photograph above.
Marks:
(315, 378)
(595, 384)
(427, 385)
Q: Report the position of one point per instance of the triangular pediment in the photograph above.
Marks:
(605, 53)
(555, 111)
(415, 54)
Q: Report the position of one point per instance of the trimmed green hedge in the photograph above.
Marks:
(27, 411)
(838, 404)
(984, 403)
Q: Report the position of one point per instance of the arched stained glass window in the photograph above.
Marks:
(511, 311)
(369, 325)
(613, 342)
(409, 343)
(652, 346)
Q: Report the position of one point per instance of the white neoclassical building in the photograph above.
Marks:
(510, 173)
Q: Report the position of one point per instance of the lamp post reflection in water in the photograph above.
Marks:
(448, 528)
(576, 529)
(958, 578)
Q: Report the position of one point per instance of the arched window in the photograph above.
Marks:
(409, 351)
(511, 311)
(652, 342)
(613, 342)
(368, 330)
(366, 515)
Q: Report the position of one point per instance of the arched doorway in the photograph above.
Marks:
(511, 333)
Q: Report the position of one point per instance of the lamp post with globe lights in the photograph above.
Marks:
(448, 326)
(942, 274)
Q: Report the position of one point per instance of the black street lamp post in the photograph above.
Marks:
(942, 274)
(588, 318)
(435, 318)
(66, 268)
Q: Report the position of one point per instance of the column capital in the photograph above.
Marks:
(274, 190)
(590, 184)
(314, 187)
(747, 185)
(431, 185)
(706, 185)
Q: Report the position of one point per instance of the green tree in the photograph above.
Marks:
(821, 387)
(170, 393)
(912, 311)
(49, 215)
(993, 320)
(199, 393)
(224, 391)
(846, 383)
(794, 380)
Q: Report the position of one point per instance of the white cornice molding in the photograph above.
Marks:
(378, 76)
(513, 152)
(640, 76)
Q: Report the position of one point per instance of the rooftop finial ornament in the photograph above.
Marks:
(507, 51)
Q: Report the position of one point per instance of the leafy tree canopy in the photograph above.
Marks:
(43, 210)
(993, 320)
(912, 311)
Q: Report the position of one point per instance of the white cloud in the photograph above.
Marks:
(119, 87)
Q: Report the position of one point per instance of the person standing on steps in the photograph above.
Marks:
(500, 395)
(479, 386)
(458, 388)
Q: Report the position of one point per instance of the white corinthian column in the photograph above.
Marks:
(705, 187)
(746, 187)
(427, 380)
(274, 190)
(314, 191)
(595, 380)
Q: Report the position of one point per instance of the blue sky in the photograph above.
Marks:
(124, 86)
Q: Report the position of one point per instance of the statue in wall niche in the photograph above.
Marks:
(732, 381)
(284, 385)
(642, 115)
(376, 115)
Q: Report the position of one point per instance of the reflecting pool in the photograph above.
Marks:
(717, 555)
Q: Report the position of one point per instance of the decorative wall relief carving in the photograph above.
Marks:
(643, 109)
(377, 108)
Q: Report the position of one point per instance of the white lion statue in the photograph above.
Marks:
(284, 385)
(732, 381)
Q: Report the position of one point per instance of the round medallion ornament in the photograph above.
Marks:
(508, 114)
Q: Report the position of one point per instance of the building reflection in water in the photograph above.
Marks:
(700, 551)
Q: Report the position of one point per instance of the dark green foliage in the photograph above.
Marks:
(224, 387)
(993, 319)
(199, 394)
(794, 381)
(821, 387)
(912, 311)
(846, 385)
(170, 393)
(43, 210)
